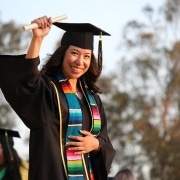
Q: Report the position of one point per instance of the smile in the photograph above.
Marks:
(76, 70)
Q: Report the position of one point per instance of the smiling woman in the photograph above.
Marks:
(66, 133)
(76, 63)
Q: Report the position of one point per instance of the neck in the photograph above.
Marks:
(73, 83)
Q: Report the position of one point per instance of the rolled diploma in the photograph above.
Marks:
(34, 25)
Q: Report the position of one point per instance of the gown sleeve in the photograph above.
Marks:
(13, 71)
(27, 92)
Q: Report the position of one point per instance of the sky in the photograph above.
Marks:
(110, 15)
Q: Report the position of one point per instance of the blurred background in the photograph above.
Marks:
(140, 78)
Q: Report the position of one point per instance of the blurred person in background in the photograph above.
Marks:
(12, 167)
(124, 174)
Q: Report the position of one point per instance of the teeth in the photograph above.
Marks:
(76, 68)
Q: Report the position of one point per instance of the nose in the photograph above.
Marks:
(79, 60)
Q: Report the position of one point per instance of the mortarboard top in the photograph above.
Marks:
(9, 133)
(79, 34)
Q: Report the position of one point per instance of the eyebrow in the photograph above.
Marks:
(79, 51)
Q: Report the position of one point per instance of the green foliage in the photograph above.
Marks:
(6, 114)
(12, 39)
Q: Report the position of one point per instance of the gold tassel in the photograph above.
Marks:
(8, 146)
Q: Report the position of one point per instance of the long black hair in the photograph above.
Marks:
(54, 64)
(12, 159)
(124, 174)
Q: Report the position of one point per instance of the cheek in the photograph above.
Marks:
(87, 64)
(65, 61)
(68, 58)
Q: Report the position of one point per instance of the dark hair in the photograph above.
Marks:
(54, 64)
(124, 174)
(12, 159)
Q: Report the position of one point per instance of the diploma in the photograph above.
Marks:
(35, 25)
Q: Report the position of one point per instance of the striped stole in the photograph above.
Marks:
(75, 167)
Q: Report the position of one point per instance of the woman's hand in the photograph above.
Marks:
(44, 26)
(85, 144)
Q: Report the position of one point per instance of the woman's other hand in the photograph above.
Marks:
(83, 144)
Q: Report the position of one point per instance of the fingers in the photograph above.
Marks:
(84, 144)
(84, 132)
(43, 22)
(77, 148)
(76, 138)
(74, 144)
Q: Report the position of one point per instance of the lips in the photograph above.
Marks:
(76, 69)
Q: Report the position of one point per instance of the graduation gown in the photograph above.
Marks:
(33, 98)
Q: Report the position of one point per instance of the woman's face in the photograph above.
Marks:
(76, 62)
(2, 158)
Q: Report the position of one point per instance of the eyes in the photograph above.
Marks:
(77, 53)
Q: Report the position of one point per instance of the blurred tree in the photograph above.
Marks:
(143, 103)
(12, 40)
(6, 114)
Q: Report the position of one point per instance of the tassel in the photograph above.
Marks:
(8, 146)
(100, 58)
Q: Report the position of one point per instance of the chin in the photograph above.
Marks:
(75, 76)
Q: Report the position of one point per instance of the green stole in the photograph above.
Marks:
(2, 173)
(75, 166)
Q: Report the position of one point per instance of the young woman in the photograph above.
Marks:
(60, 105)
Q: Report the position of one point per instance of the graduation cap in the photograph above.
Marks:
(6, 139)
(82, 35)
(9, 133)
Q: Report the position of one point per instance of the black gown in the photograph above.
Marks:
(33, 98)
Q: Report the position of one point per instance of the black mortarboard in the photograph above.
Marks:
(6, 139)
(9, 133)
(82, 35)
